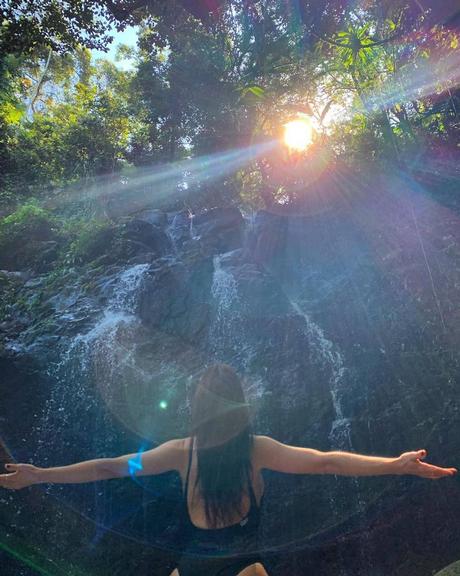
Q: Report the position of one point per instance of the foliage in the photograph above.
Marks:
(27, 24)
(29, 221)
(379, 81)
(77, 126)
(90, 240)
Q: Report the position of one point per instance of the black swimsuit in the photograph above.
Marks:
(221, 551)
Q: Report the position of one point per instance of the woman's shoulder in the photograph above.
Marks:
(261, 446)
(266, 450)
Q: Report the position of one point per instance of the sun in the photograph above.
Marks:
(298, 134)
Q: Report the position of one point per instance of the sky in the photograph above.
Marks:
(128, 36)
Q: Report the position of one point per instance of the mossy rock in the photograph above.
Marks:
(29, 238)
(451, 570)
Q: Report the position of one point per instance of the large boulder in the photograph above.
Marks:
(36, 253)
(123, 241)
(219, 229)
(153, 217)
(179, 227)
(266, 241)
(175, 297)
(147, 234)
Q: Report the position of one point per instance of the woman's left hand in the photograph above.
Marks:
(21, 476)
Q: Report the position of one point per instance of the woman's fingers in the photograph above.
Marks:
(411, 463)
(8, 480)
(430, 471)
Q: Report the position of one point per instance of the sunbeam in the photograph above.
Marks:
(429, 76)
(172, 180)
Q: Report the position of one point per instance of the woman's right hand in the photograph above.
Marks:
(21, 476)
(410, 463)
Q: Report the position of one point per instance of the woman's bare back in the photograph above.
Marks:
(195, 502)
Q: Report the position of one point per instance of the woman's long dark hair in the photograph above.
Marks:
(224, 440)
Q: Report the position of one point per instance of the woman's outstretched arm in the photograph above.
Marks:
(167, 456)
(280, 457)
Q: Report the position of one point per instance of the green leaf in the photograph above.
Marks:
(256, 90)
(11, 113)
(391, 25)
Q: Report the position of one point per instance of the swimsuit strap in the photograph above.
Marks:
(188, 469)
(252, 496)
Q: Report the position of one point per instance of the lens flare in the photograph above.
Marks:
(298, 134)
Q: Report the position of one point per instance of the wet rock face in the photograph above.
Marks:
(333, 325)
(215, 231)
(123, 241)
(267, 240)
(35, 254)
(220, 229)
(148, 234)
(153, 217)
(175, 298)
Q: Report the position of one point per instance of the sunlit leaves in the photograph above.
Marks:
(355, 44)
(256, 91)
(11, 113)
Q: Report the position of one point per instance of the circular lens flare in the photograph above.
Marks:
(298, 134)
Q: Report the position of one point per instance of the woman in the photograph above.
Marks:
(220, 466)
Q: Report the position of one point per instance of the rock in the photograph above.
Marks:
(121, 242)
(339, 350)
(32, 254)
(98, 245)
(47, 254)
(175, 298)
(257, 288)
(154, 217)
(451, 570)
(148, 235)
(219, 229)
(267, 240)
(31, 241)
(15, 275)
(179, 227)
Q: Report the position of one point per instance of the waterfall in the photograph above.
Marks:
(193, 235)
(339, 435)
(98, 355)
(340, 431)
(170, 232)
(120, 312)
(250, 220)
(176, 230)
(127, 289)
(228, 337)
(224, 329)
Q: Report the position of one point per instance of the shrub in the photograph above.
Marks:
(29, 222)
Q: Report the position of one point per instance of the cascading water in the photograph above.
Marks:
(340, 432)
(228, 340)
(77, 420)
(193, 234)
(225, 330)
(177, 230)
(171, 233)
(250, 219)
(96, 355)
(339, 435)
